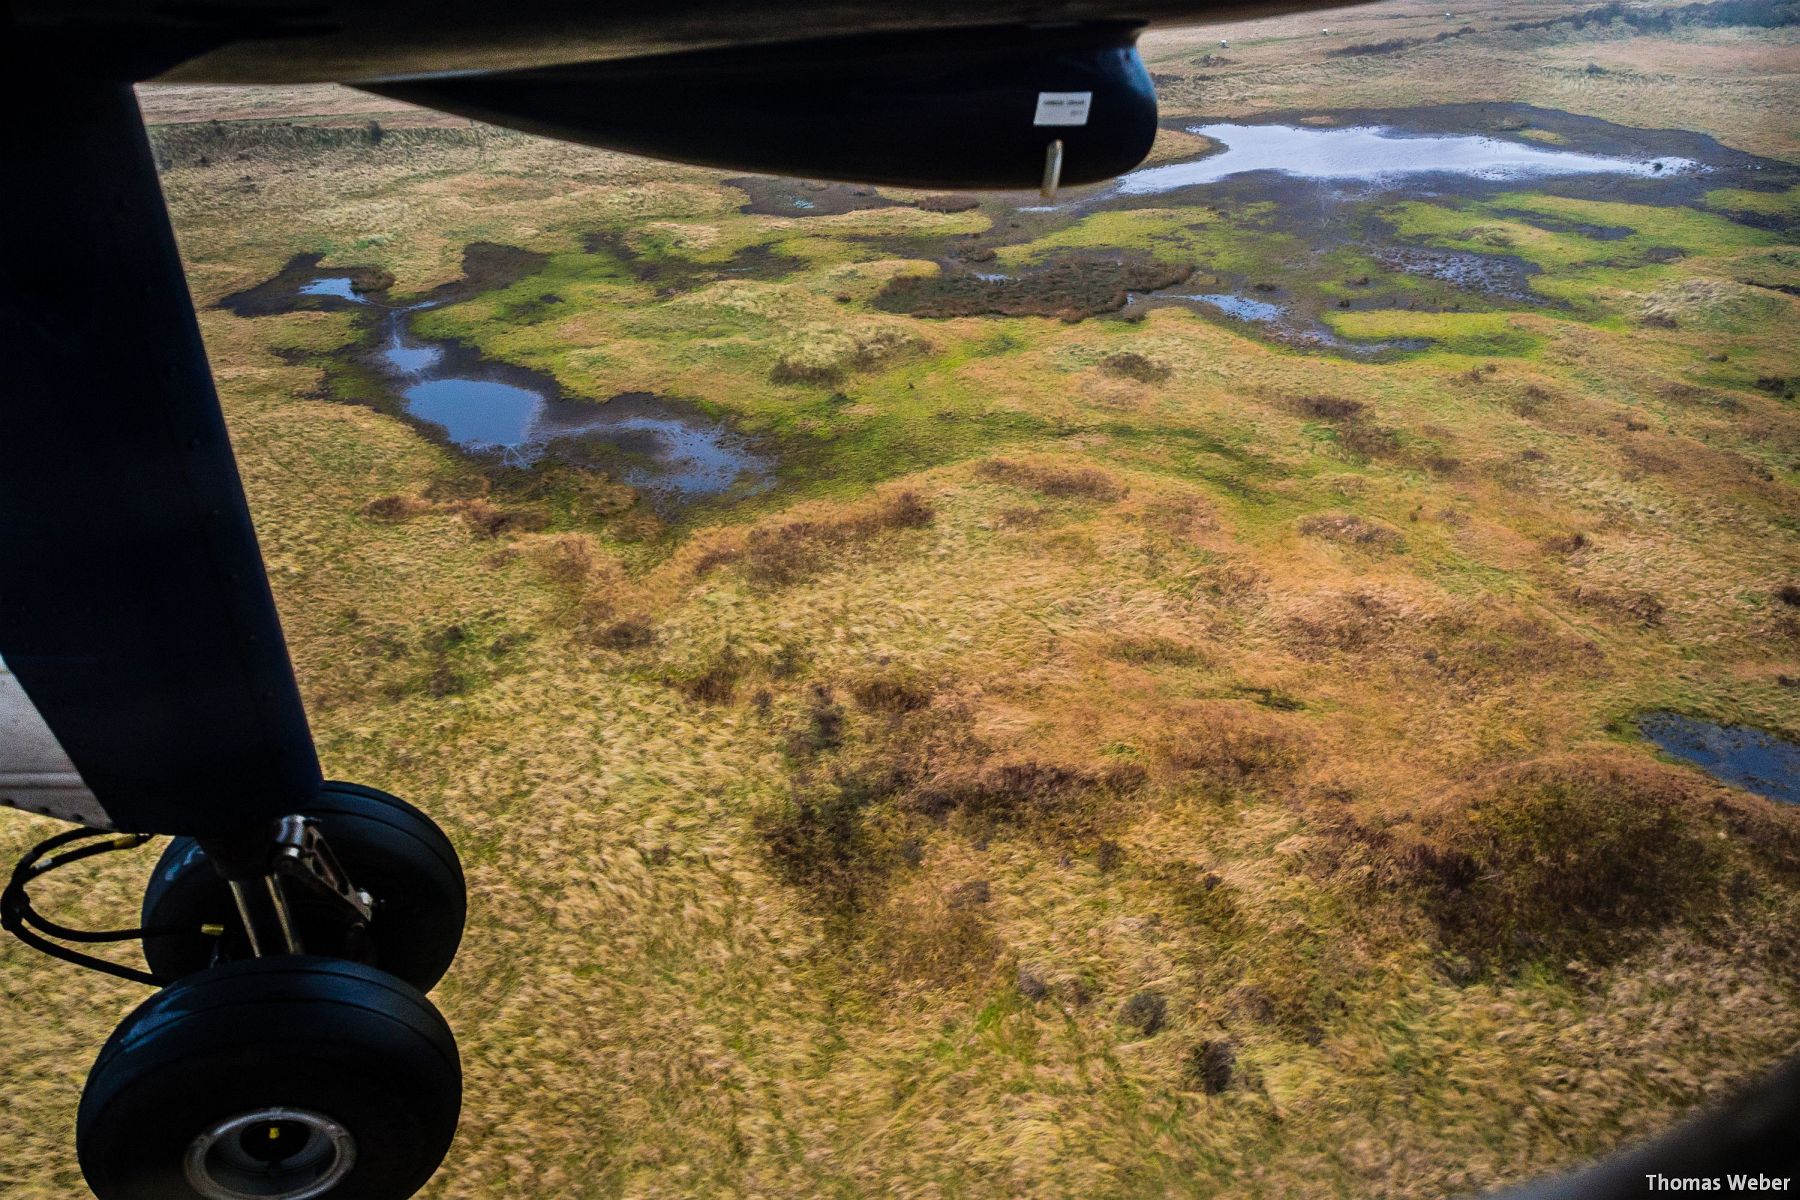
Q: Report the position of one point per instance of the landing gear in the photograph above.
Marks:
(284, 1078)
(293, 1054)
(387, 848)
(290, 1054)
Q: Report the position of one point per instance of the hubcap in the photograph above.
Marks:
(270, 1154)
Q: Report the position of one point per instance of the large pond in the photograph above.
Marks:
(1373, 153)
(1753, 759)
(672, 453)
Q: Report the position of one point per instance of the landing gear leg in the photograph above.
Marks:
(292, 1053)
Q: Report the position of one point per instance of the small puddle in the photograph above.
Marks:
(1241, 307)
(340, 286)
(1752, 759)
(1374, 153)
(518, 417)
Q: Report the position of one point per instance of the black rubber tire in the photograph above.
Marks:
(390, 849)
(319, 1034)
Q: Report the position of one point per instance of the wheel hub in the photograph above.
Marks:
(270, 1154)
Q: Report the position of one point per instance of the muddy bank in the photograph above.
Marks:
(675, 273)
(303, 285)
(295, 288)
(775, 197)
(1525, 128)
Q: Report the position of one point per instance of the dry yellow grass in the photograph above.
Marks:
(827, 847)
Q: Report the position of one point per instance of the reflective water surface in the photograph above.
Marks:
(1370, 153)
(1752, 759)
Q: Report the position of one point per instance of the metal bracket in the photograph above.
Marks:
(293, 854)
(303, 854)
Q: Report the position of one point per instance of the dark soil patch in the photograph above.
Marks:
(1210, 1066)
(281, 293)
(1145, 1013)
(674, 272)
(1131, 365)
(1504, 276)
(1600, 233)
(1063, 483)
(1352, 530)
(486, 267)
(806, 198)
(1071, 287)
(1568, 856)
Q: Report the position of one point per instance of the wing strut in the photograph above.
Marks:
(136, 620)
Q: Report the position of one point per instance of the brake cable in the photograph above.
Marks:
(19, 918)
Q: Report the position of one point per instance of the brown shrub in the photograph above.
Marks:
(1131, 365)
(394, 509)
(1789, 594)
(714, 681)
(1566, 543)
(822, 728)
(1021, 789)
(1326, 408)
(1642, 606)
(818, 838)
(782, 554)
(1348, 621)
(1368, 441)
(1567, 856)
(1352, 530)
(790, 370)
(1085, 483)
(918, 937)
(892, 692)
(567, 560)
(712, 558)
(968, 893)
(1148, 649)
(489, 520)
(631, 633)
(1234, 743)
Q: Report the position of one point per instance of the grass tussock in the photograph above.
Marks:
(1025, 790)
(787, 552)
(1576, 855)
(1057, 482)
(1640, 605)
(1234, 744)
(826, 357)
(1129, 364)
(1348, 529)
